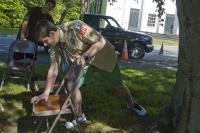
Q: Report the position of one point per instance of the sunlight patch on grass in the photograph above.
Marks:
(165, 42)
(102, 105)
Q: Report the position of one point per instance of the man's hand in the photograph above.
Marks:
(80, 60)
(36, 99)
(24, 40)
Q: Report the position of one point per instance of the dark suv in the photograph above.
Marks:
(137, 43)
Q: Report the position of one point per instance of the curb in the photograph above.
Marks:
(13, 36)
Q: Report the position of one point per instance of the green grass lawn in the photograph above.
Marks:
(9, 31)
(165, 42)
(104, 108)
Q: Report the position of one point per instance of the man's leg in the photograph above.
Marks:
(77, 97)
(78, 101)
(125, 94)
(114, 79)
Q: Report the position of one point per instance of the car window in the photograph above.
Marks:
(108, 24)
(112, 23)
(101, 23)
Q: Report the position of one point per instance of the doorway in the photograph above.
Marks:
(133, 19)
(169, 24)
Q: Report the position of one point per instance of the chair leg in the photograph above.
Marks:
(47, 123)
(54, 123)
(3, 78)
(60, 86)
(35, 122)
(39, 124)
(1, 107)
(28, 86)
(2, 82)
(78, 123)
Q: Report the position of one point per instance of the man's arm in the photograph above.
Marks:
(51, 77)
(93, 49)
(23, 31)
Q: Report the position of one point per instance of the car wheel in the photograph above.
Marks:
(136, 51)
(47, 49)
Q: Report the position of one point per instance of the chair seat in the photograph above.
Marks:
(60, 104)
(18, 65)
(51, 107)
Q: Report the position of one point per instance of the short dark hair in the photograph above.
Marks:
(51, 1)
(42, 29)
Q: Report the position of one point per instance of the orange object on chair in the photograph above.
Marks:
(124, 54)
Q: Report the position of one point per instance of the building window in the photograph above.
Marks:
(151, 20)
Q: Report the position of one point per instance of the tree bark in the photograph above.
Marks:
(84, 4)
(181, 115)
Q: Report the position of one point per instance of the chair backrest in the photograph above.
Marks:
(18, 46)
(74, 72)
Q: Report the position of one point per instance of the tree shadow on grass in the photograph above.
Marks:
(104, 108)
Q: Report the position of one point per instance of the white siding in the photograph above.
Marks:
(121, 12)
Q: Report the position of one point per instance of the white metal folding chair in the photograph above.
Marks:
(21, 65)
(60, 104)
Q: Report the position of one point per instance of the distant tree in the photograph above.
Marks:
(73, 8)
(84, 5)
(11, 13)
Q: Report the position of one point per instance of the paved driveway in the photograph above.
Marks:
(151, 60)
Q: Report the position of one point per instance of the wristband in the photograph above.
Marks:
(85, 57)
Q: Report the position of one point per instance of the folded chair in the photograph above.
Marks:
(21, 65)
(62, 103)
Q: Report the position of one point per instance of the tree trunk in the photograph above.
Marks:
(84, 5)
(181, 115)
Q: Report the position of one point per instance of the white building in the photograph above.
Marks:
(139, 16)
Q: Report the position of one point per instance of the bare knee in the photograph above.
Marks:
(118, 87)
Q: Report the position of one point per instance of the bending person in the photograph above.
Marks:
(89, 47)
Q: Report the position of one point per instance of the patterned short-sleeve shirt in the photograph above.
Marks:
(77, 39)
